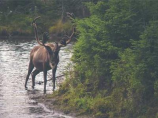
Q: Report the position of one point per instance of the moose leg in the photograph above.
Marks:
(34, 73)
(29, 72)
(45, 79)
(54, 73)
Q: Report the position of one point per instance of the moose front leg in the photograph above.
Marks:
(34, 73)
(29, 72)
(53, 79)
(45, 79)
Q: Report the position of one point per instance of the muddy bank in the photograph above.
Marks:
(50, 103)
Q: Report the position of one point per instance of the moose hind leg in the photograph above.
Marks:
(34, 73)
(45, 80)
(31, 66)
(54, 73)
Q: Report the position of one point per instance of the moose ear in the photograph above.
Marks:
(45, 37)
(62, 43)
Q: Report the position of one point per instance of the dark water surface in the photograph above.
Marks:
(15, 101)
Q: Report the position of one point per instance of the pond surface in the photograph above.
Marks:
(15, 101)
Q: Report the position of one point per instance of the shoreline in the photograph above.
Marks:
(49, 103)
(15, 37)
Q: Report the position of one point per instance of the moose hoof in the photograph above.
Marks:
(25, 88)
(44, 91)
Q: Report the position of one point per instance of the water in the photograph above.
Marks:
(15, 101)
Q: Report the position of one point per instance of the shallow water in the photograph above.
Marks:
(15, 101)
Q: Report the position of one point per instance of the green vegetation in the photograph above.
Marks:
(16, 15)
(115, 72)
(116, 61)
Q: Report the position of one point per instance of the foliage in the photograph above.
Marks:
(115, 61)
(60, 27)
(16, 16)
(115, 56)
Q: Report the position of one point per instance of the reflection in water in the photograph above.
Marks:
(15, 101)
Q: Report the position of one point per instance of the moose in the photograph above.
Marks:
(45, 56)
